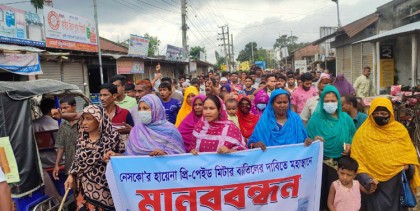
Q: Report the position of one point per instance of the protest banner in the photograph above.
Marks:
(301, 65)
(280, 178)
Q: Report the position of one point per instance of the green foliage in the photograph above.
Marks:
(38, 4)
(246, 53)
(195, 52)
(219, 60)
(154, 43)
(288, 41)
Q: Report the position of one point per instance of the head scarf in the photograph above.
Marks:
(293, 131)
(185, 108)
(260, 98)
(88, 163)
(187, 125)
(227, 86)
(382, 151)
(335, 131)
(343, 86)
(159, 134)
(223, 131)
(247, 122)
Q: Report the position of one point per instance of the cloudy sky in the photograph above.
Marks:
(261, 21)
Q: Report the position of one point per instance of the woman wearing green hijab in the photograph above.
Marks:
(336, 128)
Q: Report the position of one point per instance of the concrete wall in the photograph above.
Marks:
(403, 52)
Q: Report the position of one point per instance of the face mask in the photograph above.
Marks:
(330, 107)
(261, 106)
(145, 117)
(380, 120)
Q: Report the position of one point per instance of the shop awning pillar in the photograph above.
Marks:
(413, 59)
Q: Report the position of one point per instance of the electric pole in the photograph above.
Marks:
(98, 42)
(229, 58)
(224, 46)
(184, 28)
(233, 52)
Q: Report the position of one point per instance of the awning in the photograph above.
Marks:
(403, 30)
(17, 48)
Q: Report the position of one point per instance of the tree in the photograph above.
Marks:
(195, 52)
(219, 60)
(288, 41)
(154, 43)
(38, 4)
(246, 53)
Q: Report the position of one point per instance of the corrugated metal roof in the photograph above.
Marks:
(352, 28)
(357, 26)
(407, 29)
(108, 45)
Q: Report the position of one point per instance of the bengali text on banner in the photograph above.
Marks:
(281, 178)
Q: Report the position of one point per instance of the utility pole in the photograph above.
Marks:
(252, 51)
(98, 42)
(233, 52)
(184, 27)
(224, 46)
(338, 13)
(228, 38)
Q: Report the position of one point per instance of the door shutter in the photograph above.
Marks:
(74, 74)
(51, 70)
(356, 62)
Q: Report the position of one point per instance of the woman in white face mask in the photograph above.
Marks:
(152, 134)
(336, 128)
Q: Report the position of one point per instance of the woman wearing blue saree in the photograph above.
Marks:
(278, 125)
(336, 128)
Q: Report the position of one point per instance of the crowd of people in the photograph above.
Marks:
(364, 154)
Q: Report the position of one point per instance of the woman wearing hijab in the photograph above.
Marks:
(152, 134)
(343, 86)
(383, 148)
(214, 132)
(186, 107)
(246, 120)
(259, 103)
(336, 128)
(96, 139)
(278, 125)
(187, 125)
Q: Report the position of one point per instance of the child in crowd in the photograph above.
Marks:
(232, 108)
(344, 193)
(171, 105)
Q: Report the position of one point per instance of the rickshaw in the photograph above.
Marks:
(18, 108)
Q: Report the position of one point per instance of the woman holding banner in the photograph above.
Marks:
(96, 138)
(278, 125)
(214, 132)
(383, 148)
(152, 134)
(336, 128)
(186, 127)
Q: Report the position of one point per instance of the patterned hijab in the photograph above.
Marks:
(187, 125)
(221, 130)
(335, 131)
(89, 165)
(159, 134)
(185, 108)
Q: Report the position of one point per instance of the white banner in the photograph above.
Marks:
(22, 64)
(69, 31)
(301, 65)
(139, 46)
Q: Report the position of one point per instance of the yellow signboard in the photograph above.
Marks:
(387, 73)
(223, 66)
(7, 161)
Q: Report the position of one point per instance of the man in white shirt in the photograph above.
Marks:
(5, 194)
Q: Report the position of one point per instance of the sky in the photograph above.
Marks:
(259, 21)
